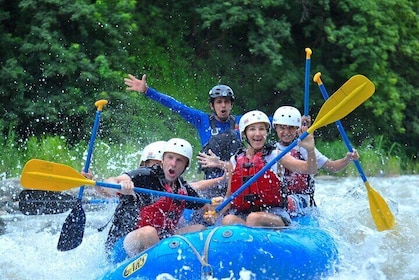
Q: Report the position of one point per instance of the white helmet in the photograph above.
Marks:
(251, 118)
(287, 115)
(153, 151)
(181, 147)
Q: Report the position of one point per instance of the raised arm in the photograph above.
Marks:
(195, 117)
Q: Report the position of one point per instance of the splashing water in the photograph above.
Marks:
(28, 246)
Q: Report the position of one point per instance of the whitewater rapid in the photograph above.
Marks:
(28, 246)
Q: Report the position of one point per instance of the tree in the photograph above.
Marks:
(62, 56)
(374, 38)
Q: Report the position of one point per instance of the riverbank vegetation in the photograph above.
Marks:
(59, 57)
(111, 159)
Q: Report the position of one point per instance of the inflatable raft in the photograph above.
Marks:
(303, 251)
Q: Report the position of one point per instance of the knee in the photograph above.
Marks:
(140, 239)
(253, 219)
(229, 220)
(148, 231)
(149, 236)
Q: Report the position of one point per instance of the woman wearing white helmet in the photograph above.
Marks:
(263, 202)
(286, 121)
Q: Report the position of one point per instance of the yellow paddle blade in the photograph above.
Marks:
(348, 97)
(381, 213)
(44, 175)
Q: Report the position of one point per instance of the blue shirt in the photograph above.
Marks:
(200, 120)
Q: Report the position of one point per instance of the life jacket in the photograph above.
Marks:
(127, 216)
(224, 145)
(298, 183)
(265, 192)
(163, 214)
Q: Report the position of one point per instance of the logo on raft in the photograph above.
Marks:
(135, 265)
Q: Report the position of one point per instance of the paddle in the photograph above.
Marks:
(45, 175)
(72, 230)
(381, 213)
(348, 97)
(36, 202)
(306, 81)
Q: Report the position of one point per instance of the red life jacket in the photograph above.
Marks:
(163, 214)
(264, 192)
(296, 182)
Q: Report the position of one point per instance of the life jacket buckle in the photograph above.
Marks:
(214, 131)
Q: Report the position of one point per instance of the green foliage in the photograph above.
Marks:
(376, 38)
(53, 148)
(9, 161)
(66, 54)
(59, 57)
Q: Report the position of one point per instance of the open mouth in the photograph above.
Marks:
(171, 172)
(258, 140)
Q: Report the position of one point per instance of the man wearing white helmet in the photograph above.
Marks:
(217, 131)
(141, 220)
(263, 202)
(153, 153)
(286, 121)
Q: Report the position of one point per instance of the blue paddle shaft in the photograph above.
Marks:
(306, 87)
(159, 193)
(344, 136)
(90, 149)
(260, 172)
(92, 141)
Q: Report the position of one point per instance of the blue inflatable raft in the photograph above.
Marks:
(303, 251)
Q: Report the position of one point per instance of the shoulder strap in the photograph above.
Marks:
(232, 120)
(267, 149)
(212, 121)
(240, 151)
(213, 124)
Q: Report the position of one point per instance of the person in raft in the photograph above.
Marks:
(286, 121)
(142, 220)
(218, 131)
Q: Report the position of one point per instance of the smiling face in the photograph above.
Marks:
(222, 107)
(256, 135)
(286, 133)
(173, 166)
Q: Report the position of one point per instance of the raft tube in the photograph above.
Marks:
(237, 252)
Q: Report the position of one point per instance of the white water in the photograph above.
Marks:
(28, 248)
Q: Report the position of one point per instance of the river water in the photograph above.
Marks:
(28, 246)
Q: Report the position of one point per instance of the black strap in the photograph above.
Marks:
(213, 122)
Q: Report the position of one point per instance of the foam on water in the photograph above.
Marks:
(366, 253)
(29, 251)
